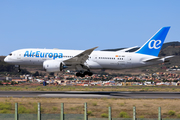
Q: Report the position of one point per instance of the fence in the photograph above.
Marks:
(63, 116)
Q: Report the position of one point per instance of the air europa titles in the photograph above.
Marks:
(40, 54)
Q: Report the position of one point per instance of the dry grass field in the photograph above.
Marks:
(146, 108)
(40, 87)
(97, 108)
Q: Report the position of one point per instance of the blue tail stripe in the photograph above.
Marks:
(154, 44)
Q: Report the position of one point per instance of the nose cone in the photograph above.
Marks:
(6, 59)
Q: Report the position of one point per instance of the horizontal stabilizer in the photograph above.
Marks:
(157, 59)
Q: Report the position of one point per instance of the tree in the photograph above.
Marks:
(24, 71)
(36, 74)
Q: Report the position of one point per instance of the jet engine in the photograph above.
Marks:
(53, 65)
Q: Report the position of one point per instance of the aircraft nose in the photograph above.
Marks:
(6, 59)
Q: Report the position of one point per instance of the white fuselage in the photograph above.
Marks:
(96, 60)
(54, 60)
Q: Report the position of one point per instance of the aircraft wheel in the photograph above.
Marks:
(86, 73)
(90, 73)
(78, 74)
(82, 75)
(19, 70)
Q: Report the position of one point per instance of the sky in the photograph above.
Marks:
(84, 24)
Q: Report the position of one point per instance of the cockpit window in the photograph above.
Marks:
(10, 54)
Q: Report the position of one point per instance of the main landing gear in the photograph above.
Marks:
(82, 74)
(18, 68)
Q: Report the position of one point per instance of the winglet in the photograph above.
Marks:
(93, 48)
(154, 44)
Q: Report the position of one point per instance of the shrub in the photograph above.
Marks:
(22, 109)
(5, 106)
(72, 108)
(54, 108)
(146, 89)
(121, 104)
(141, 116)
(178, 116)
(171, 113)
(105, 115)
(90, 113)
(5, 111)
(29, 103)
(123, 114)
(94, 104)
(38, 88)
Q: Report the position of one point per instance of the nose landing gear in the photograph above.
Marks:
(18, 68)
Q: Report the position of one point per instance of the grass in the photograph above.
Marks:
(97, 108)
(91, 88)
(147, 108)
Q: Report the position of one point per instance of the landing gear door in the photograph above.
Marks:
(129, 61)
(121, 64)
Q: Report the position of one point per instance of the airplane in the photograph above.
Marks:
(54, 60)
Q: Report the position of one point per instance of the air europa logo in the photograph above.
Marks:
(154, 44)
(40, 54)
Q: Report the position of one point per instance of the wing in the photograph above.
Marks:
(80, 58)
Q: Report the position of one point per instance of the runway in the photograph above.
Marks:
(91, 94)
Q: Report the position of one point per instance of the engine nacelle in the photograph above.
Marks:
(53, 65)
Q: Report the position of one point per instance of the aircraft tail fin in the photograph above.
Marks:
(154, 44)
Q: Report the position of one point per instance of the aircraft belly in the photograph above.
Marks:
(94, 65)
(31, 61)
(108, 64)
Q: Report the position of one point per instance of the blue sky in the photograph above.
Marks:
(83, 24)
